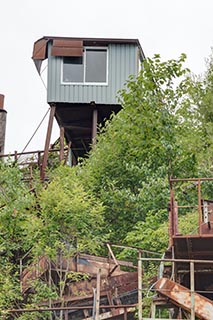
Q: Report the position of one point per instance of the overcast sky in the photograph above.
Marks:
(167, 27)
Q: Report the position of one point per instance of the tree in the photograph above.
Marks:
(202, 99)
(142, 146)
(59, 219)
(72, 217)
(16, 203)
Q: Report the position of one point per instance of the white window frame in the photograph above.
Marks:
(84, 68)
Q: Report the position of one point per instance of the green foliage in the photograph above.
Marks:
(203, 98)
(142, 146)
(72, 217)
(9, 284)
(43, 293)
(16, 203)
(153, 235)
(58, 219)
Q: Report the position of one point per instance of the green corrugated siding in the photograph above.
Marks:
(122, 62)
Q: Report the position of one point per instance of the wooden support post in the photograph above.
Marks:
(61, 143)
(98, 289)
(47, 143)
(140, 317)
(94, 127)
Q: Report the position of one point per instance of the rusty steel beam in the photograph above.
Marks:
(185, 298)
(47, 142)
(133, 248)
(114, 259)
(173, 217)
(98, 290)
(192, 289)
(199, 207)
(61, 143)
(178, 260)
(94, 127)
(125, 313)
(116, 306)
(170, 210)
(28, 152)
(190, 179)
(140, 296)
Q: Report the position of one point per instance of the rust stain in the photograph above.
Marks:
(181, 296)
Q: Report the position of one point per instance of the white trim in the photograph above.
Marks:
(84, 67)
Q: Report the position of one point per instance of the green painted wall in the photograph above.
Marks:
(122, 61)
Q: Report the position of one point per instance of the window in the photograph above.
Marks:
(73, 70)
(91, 68)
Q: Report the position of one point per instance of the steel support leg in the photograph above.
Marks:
(47, 142)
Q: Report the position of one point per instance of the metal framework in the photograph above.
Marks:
(183, 288)
(179, 297)
(29, 159)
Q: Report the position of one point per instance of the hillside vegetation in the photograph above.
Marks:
(121, 191)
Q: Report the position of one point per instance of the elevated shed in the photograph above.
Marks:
(84, 77)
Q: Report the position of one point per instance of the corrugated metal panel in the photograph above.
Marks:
(122, 62)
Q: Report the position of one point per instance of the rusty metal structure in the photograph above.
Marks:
(30, 162)
(102, 289)
(186, 284)
(183, 288)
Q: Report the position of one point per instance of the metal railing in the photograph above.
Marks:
(174, 205)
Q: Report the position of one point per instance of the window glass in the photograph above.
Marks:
(96, 65)
(73, 69)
